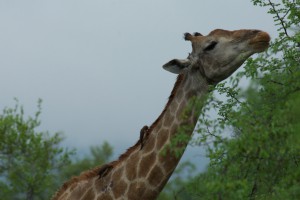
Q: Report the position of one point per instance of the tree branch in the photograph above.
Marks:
(280, 18)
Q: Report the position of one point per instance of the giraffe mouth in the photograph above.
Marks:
(260, 46)
(260, 42)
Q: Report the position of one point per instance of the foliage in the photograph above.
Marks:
(28, 157)
(175, 188)
(33, 165)
(261, 158)
(181, 139)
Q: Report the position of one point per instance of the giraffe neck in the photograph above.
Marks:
(147, 170)
(179, 118)
(141, 173)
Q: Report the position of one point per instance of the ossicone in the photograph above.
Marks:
(190, 37)
(187, 36)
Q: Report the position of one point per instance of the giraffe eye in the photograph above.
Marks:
(211, 46)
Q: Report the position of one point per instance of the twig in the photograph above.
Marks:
(276, 82)
(280, 18)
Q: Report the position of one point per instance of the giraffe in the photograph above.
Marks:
(143, 170)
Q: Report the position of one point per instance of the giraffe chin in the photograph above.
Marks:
(261, 46)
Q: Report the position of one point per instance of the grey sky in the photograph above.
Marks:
(97, 63)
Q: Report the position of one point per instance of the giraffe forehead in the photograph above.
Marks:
(241, 34)
(219, 34)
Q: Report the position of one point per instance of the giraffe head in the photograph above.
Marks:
(220, 53)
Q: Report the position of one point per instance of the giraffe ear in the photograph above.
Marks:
(176, 65)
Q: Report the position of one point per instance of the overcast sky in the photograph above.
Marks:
(96, 64)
